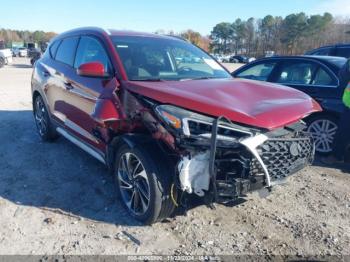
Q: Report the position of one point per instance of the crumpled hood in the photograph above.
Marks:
(253, 103)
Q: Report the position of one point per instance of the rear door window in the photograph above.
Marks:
(66, 50)
(298, 73)
(258, 72)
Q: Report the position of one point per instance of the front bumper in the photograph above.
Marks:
(254, 162)
(282, 157)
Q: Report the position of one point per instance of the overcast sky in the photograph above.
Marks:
(151, 15)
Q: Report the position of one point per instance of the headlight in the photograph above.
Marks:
(177, 118)
(194, 124)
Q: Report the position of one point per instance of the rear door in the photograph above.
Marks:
(59, 70)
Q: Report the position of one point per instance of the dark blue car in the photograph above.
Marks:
(321, 77)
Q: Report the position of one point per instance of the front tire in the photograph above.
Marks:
(144, 183)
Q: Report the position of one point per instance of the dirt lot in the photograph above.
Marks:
(55, 199)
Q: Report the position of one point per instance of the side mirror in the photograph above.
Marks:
(91, 69)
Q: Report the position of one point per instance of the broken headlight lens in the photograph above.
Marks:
(194, 124)
(176, 117)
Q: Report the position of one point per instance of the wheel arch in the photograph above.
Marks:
(322, 114)
(132, 140)
(36, 93)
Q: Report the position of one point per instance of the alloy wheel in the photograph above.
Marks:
(40, 117)
(133, 184)
(323, 132)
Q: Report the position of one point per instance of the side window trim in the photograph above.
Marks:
(76, 51)
(58, 48)
(58, 41)
(274, 70)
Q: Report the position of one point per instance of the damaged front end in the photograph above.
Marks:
(216, 158)
(223, 160)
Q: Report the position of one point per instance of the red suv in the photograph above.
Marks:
(166, 119)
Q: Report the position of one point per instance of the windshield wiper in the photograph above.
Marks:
(199, 78)
(148, 79)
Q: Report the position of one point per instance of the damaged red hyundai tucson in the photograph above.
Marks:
(167, 120)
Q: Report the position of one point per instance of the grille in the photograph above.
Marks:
(284, 156)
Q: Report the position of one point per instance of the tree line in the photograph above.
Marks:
(9, 36)
(294, 34)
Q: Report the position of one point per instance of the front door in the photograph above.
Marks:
(83, 93)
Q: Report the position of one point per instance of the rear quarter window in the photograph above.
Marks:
(323, 78)
(66, 50)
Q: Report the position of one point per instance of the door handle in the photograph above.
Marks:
(68, 86)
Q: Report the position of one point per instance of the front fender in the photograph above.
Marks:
(105, 110)
(131, 140)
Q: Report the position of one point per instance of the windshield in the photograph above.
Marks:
(156, 59)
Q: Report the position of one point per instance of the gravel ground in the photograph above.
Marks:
(56, 199)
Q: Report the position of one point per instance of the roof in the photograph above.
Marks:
(335, 45)
(113, 32)
(336, 61)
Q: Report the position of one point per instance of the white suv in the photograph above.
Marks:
(5, 57)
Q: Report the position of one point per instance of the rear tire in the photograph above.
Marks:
(43, 123)
(144, 182)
